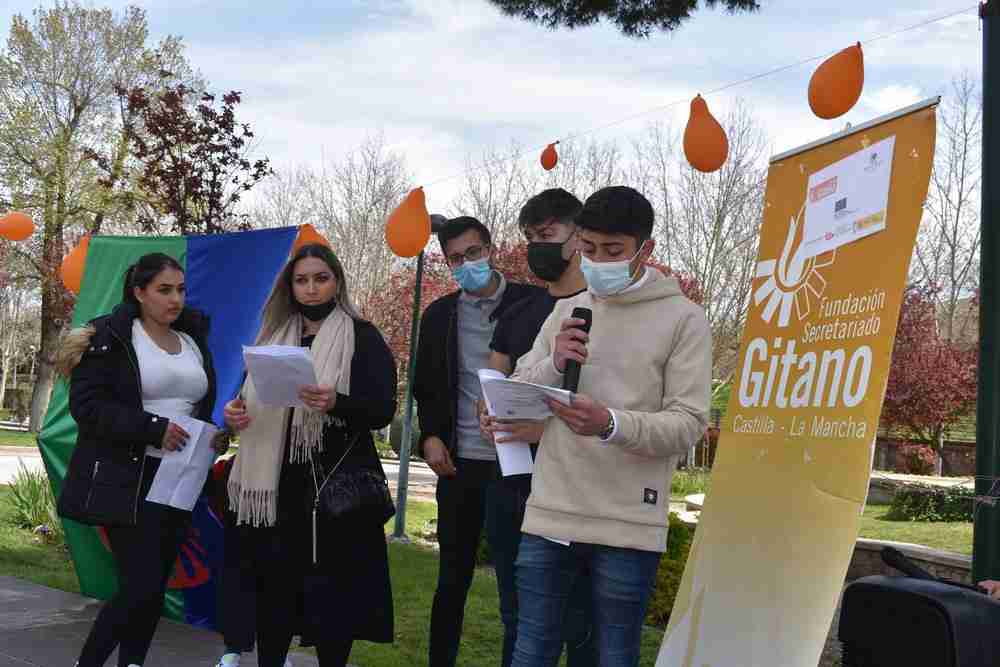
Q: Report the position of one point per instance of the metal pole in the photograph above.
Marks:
(986, 538)
(399, 532)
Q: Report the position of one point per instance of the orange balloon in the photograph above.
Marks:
(409, 226)
(706, 146)
(308, 236)
(549, 157)
(73, 265)
(836, 84)
(16, 226)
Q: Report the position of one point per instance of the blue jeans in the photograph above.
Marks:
(621, 583)
(505, 503)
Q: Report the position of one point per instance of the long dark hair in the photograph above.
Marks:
(279, 306)
(144, 271)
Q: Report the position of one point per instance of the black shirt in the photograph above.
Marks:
(517, 328)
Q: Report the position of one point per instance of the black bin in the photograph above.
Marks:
(908, 622)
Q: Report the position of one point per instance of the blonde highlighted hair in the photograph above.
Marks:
(280, 306)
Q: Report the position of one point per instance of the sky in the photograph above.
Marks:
(443, 80)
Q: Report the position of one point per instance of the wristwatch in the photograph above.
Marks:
(609, 429)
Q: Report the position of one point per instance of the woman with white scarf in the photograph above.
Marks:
(331, 588)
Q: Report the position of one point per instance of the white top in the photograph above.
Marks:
(172, 384)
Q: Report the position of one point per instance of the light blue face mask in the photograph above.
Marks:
(473, 276)
(607, 278)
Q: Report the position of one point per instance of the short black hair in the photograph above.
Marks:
(554, 203)
(618, 209)
(458, 226)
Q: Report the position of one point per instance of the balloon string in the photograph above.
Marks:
(733, 84)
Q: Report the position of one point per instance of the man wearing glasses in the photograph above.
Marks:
(454, 345)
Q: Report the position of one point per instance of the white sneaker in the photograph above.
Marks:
(229, 660)
(288, 662)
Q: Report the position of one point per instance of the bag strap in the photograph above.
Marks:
(312, 462)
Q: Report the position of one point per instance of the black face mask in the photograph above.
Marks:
(316, 312)
(546, 261)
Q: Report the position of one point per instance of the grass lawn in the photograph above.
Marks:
(949, 536)
(16, 438)
(25, 556)
(414, 578)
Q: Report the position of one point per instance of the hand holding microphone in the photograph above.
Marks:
(584, 416)
(571, 345)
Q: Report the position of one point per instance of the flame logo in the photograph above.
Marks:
(791, 280)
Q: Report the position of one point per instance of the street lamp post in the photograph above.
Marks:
(986, 535)
(402, 483)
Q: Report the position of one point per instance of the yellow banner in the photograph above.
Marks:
(789, 483)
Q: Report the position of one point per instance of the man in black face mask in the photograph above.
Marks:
(547, 223)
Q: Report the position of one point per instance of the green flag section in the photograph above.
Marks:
(101, 290)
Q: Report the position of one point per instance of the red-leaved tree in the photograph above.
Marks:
(932, 383)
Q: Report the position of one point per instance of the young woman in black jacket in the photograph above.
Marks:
(130, 373)
(324, 577)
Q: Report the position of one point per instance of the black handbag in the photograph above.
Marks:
(354, 494)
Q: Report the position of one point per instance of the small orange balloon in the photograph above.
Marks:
(409, 226)
(308, 236)
(549, 157)
(706, 146)
(16, 226)
(836, 85)
(73, 265)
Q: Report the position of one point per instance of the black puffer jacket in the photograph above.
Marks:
(105, 398)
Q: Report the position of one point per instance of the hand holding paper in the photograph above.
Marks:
(279, 372)
(182, 473)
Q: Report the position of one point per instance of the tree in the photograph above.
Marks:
(634, 18)
(496, 186)
(58, 74)
(947, 253)
(708, 224)
(195, 161)
(932, 382)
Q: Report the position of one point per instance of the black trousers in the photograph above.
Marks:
(277, 582)
(461, 510)
(145, 555)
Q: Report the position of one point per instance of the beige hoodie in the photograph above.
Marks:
(649, 362)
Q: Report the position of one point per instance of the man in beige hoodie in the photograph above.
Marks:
(602, 474)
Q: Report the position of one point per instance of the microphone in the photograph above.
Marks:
(571, 380)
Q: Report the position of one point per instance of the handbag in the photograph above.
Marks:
(355, 493)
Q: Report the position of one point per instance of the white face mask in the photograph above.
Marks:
(607, 278)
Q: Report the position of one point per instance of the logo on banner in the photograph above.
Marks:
(793, 282)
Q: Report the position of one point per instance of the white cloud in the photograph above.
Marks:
(891, 97)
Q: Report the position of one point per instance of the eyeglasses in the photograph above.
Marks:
(470, 255)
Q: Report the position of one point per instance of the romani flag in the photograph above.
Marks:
(229, 277)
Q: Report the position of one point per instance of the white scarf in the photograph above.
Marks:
(253, 483)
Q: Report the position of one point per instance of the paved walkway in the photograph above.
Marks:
(43, 627)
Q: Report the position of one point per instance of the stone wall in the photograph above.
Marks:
(867, 560)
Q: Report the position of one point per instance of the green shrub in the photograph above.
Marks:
(690, 480)
(32, 504)
(931, 503)
(396, 436)
(383, 448)
(668, 576)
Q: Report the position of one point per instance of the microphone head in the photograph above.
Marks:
(585, 314)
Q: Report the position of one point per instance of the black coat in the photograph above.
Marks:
(347, 594)
(435, 383)
(105, 398)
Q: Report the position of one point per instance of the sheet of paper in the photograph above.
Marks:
(847, 200)
(514, 457)
(182, 474)
(278, 372)
(513, 399)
